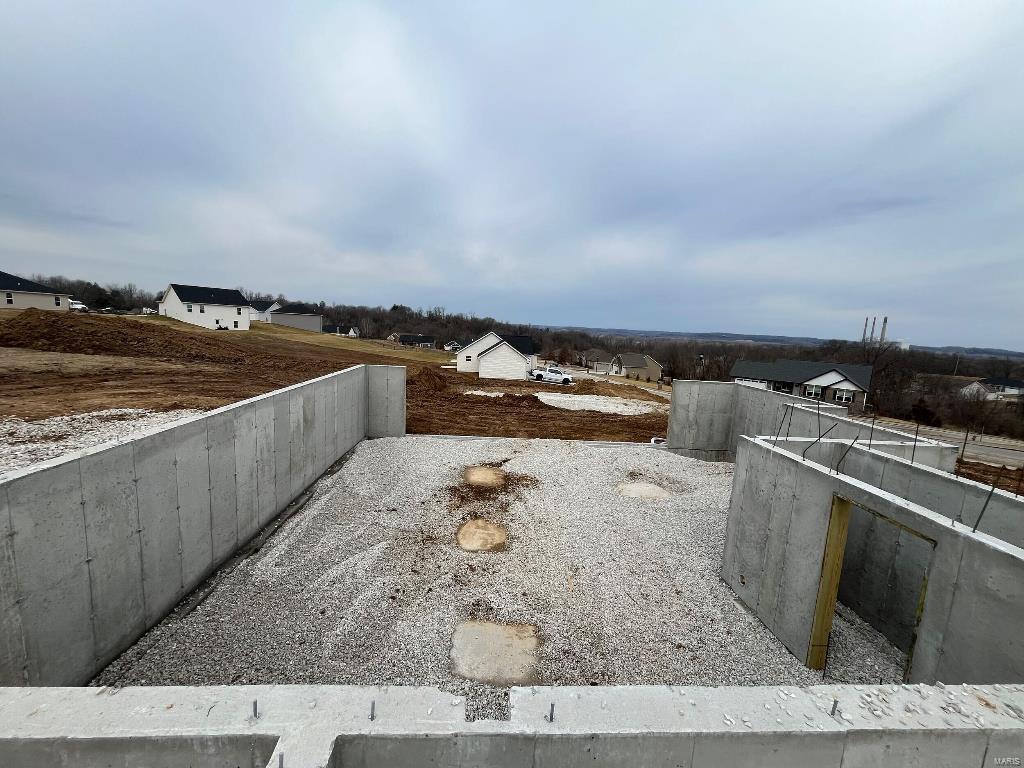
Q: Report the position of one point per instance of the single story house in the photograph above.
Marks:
(412, 340)
(214, 308)
(261, 309)
(19, 293)
(511, 358)
(454, 345)
(634, 364)
(596, 359)
(994, 388)
(843, 383)
(297, 316)
(468, 360)
(353, 332)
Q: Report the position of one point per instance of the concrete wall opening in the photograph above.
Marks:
(153, 751)
(873, 582)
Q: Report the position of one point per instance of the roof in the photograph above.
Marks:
(799, 371)
(504, 343)
(598, 355)
(9, 282)
(414, 338)
(261, 305)
(295, 309)
(522, 344)
(635, 360)
(1002, 381)
(199, 294)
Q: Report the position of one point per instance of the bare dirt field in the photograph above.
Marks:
(56, 364)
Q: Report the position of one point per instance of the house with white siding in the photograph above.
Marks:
(261, 309)
(214, 308)
(498, 357)
(19, 293)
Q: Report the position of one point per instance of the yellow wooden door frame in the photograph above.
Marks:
(828, 586)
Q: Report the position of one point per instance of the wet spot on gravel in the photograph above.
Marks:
(478, 535)
(498, 654)
(643, 490)
(484, 477)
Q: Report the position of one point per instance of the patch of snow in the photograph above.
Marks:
(483, 393)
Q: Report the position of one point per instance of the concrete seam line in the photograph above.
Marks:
(138, 533)
(88, 563)
(209, 487)
(17, 589)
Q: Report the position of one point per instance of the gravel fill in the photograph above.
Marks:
(23, 443)
(366, 585)
(859, 653)
(600, 403)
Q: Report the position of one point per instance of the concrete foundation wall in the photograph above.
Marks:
(971, 625)
(623, 726)
(708, 418)
(97, 546)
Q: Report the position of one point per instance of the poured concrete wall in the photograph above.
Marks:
(656, 726)
(707, 419)
(971, 626)
(97, 546)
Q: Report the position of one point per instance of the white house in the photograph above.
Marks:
(353, 333)
(468, 360)
(19, 293)
(504, 361)
(471, 357)
(215, 308)
(994, 388)
(260, 310)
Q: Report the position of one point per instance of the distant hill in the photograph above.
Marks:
(758, 338)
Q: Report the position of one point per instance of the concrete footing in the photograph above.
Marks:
(327, 726)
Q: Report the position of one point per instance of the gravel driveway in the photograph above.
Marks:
(366, 585)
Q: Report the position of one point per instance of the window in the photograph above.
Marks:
(188, 307)
(10, 298)
(812, 390)
(469, 358)
(239, 313)
(843, 395)
(202, 309)
(236, 323)
(56, 301)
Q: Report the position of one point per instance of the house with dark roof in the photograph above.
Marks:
(498, 357)
(412, 340)
(261, 309)
(454, 345)
(842, 383)
(214, 308)
(635, 365)
(597, 359)
(297, 315)
(19, 293)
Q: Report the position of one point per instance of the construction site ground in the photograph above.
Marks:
(57, 364)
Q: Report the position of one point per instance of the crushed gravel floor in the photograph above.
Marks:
(365, 585)
(23, 443)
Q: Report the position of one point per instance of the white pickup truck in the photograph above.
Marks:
(552, 374)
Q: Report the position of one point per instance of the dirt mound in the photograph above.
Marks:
(428, 380)
(98, 335)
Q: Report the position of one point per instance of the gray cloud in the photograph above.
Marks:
(773, 168)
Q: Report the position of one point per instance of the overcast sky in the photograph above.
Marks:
(782, 168)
